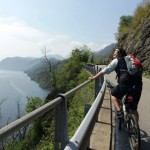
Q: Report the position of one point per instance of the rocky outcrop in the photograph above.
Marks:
(137, 42)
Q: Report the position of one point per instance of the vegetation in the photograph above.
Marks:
(127, 23)
(69, 74)
(63, 76)
(41, 73)
(70, 70)
(146, 75)
(141, 12)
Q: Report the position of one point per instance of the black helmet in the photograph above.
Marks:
(122, 51)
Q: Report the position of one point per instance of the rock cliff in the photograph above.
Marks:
(137, 42)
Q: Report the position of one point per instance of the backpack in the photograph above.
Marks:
(135, 67)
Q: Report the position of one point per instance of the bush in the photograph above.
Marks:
(140, 14)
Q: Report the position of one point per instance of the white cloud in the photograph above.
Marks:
(16, 38)
(75, 43)
(19, 39)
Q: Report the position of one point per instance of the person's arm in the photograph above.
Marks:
(99, 74)
(111, 67)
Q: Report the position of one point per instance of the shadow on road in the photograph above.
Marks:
(145, 140)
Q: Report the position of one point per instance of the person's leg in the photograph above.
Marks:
(136, 97)
(115, 102)
(116, 92)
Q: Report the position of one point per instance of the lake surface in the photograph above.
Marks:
(16, 86)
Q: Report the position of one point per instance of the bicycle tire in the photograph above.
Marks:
(134, 133)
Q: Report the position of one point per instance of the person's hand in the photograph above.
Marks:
(91, 78)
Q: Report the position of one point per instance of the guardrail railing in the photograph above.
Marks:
(80, 140)
(61, 127)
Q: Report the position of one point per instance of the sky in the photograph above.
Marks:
(28, 26)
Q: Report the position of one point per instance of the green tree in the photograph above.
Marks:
(125, 24)
(128, 23)
(68, 71)
(33, 103)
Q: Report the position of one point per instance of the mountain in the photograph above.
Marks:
(58, 57)
(106, 51)
(24, 63)
(16, 63)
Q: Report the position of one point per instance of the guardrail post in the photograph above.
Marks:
(97, 69)
(96, 87)
(61, 127)
(86, 108)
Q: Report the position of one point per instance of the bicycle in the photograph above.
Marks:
(129, 121)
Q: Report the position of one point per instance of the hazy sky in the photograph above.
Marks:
(26, 26)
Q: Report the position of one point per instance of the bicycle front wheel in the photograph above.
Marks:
(134, 133)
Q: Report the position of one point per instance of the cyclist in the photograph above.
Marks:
(125, 81)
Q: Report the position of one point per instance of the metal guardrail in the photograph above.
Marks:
(61, 127)
(81, 138)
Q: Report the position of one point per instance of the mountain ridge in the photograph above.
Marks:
(105, 51)
(24, 63)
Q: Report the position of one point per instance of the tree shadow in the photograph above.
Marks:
(145, 140)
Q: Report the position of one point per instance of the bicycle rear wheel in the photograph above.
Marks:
(134, 133)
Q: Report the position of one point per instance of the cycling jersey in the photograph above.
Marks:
(125, 81)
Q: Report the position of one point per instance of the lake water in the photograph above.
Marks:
(16, 86)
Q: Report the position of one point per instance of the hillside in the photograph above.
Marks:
(39, 71)
(137, 40)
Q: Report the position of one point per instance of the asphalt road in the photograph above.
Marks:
(144, 112)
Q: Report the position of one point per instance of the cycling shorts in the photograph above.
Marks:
(119, 91)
